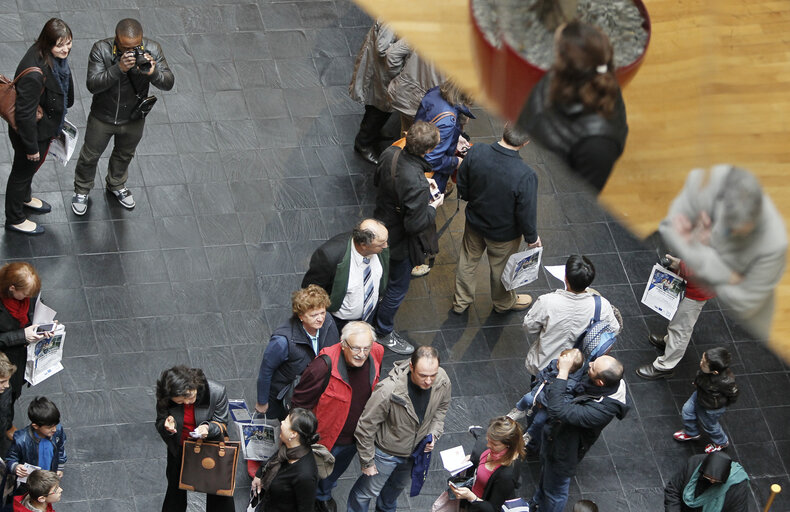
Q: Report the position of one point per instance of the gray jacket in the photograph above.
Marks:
(416, 76)
(758, 257)
(389, 420)
(211, 406)
(371, 73)
(114, 94)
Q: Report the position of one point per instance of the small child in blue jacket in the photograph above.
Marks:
(42, 443)
(533, 404)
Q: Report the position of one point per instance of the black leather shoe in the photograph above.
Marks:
(367, 153)
(38, 230)
(657, 341)
(650, 372)
(44, 208)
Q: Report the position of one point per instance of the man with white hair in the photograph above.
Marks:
(336, 386)
(730, 234)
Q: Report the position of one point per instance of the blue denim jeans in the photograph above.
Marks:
(695, 416)
(552, 492)
(397, 287)
(344, 454)
(394, 475)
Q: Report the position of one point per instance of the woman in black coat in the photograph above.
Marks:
(709, 482)
(288, 480)
(19, 289)
(496, 468)
(53, 91)
(577, 110)
(187, 402)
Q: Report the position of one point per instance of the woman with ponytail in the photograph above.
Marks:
(288, 481)
(577, 110)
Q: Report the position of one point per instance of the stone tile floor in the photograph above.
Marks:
(246, 166)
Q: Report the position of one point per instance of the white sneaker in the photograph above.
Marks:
(515, 414)
(124, 196)
(79, 204)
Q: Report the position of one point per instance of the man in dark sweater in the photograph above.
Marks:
(575, 423)
(336, 386)
(502, 201)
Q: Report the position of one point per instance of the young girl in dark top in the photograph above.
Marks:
(496, 469)
(716, 389)
(288, 481)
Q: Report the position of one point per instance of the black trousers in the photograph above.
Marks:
(18, 190)
(370, 127)
(176, 499)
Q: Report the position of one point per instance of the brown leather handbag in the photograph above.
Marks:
(210, 466)
(8, 97)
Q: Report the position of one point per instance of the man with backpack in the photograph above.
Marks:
(561, 317)
(336, 386)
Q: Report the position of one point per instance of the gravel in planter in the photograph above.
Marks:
(517, 23)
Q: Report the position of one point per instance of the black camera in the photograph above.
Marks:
(140, 61)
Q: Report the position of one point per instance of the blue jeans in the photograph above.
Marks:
(695, 416)
(535, 422)
(344, 454)
(397, 286)
(394, 475)
(552, 492)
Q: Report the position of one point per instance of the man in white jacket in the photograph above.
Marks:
(560, 317)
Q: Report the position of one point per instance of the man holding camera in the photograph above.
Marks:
(120, 70)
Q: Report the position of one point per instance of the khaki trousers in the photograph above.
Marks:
(472, 247)
(679, 333)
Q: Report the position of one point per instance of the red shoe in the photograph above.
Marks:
(681, 436)
(713, 447)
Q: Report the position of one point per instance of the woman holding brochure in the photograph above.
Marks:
(19, 288)
(44, 91)
(496, 469)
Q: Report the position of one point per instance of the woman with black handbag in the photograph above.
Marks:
(189, 405)
(288, 481)
(43, 95)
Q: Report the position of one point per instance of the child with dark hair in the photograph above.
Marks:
(533, 404)
(42, 443)
(716, 389)
(43, 490)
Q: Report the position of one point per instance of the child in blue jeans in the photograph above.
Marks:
(533, 404)
(716, 389)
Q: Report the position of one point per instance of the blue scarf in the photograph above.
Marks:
(61, 72)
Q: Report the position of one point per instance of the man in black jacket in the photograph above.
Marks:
(353, 269)
(120, 71)
(406, 207)
(502, 203)
(574, 425)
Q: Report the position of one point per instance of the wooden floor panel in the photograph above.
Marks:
(714, 87)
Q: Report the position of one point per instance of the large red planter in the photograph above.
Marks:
(507, 77)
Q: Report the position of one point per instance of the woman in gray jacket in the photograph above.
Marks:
(187, 402)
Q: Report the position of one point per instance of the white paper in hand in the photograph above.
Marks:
(43, 314)
(557, 271)
(454, 460)
(663, 291)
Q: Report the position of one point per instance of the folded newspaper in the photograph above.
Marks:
(522, 268)
(260, 436)
(663, 292)
(62, 147)
(44, 357)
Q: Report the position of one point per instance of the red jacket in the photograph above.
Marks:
(694, 290)
(18, 507)
(335, 402)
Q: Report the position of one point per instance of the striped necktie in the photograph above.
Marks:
(367, 285)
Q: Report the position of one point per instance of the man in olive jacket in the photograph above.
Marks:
(409, 404)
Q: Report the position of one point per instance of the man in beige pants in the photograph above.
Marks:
(502, 198)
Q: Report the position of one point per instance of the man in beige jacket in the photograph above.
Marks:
(404, 408)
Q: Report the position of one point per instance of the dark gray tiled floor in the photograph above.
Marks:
(246, 166)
